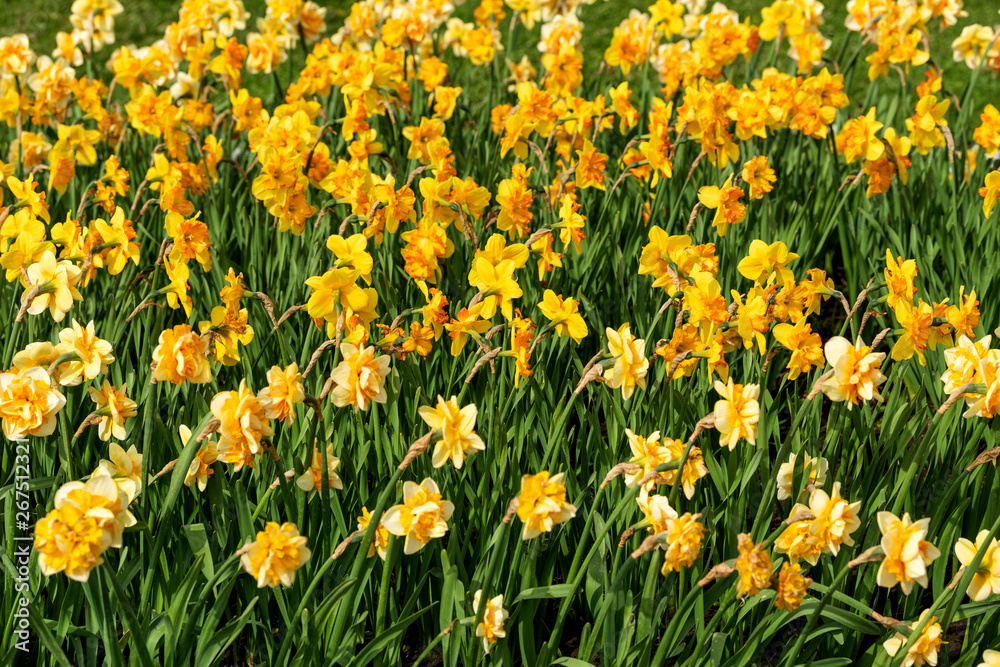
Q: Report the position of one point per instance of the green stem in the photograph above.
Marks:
(383, 592)
(64, 451)
(764, 515)
(327, 564)
(8, 351)
(578, 572)
(814, 616)
(138, 634)
(487, 583)
(346, 610)
(550, 446)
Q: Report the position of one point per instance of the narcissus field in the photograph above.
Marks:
(428, 333)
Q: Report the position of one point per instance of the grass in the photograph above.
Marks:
(175, 592)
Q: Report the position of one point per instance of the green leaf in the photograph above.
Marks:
(555, 591)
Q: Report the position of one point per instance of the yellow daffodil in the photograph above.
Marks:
(736, 413)
(542, 504)
(276, 554)
(124, 467)
(422, 517)
(813, 471)
(92, 354)
(767, 263)
(657, 511)
(647, 452)
(56, 283)
(991, 658)
(923, 651)
(360, 377)
(201, 465)
(659, 253)
(754, 567)
(113, 408)
(351, 254)
(630, 362)
(312, 478)
(857, 371)
(29, 403)
(986, 580)
(454, 430)
(491, 627)
(990, 192)
(467, 321)
(907, 553)
(835, 521)
(564, 315)
(380, 542)
(684, 536)
(498, 286)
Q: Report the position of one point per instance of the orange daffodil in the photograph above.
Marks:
(858, 139)
(181, 355)
(725, 201)
(243, 425)
(282, 393)
(759, 176)
(754, 567)
(806, 346)
(684, 536)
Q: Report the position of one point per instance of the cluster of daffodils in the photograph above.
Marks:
(89, 517)
(31, 392)
(109, 179)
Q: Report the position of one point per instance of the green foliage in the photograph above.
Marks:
(175, 594)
